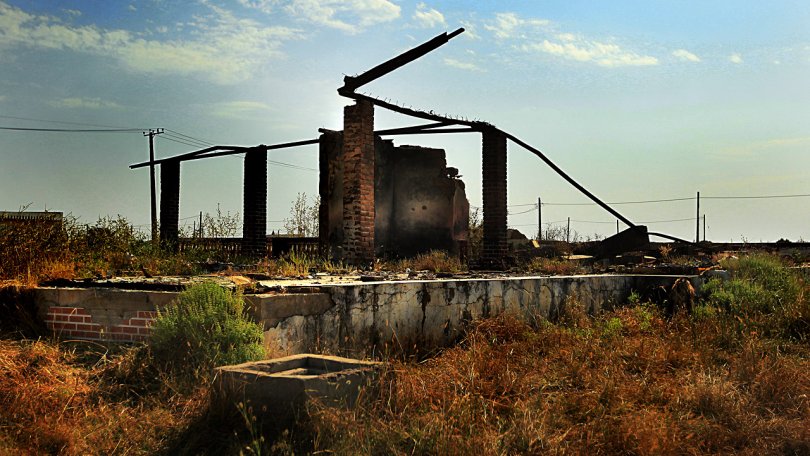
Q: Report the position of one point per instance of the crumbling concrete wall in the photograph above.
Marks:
(372, 318)
(428, 209)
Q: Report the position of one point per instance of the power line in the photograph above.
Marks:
(168, 138)
(621, 202)
(666, 200)
(72, 130)
(756, 197)
(208, 143)
(61, 122)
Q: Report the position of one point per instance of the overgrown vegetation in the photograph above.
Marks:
(433, 261)
(729, 379)
(762, 295)
(205, 328)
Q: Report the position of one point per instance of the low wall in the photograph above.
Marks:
(100, 313)
(369, 318)
(356, 319)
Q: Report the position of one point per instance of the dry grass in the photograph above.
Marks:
(63, 399)
(433, 261)
(552, 266)
(629, 382)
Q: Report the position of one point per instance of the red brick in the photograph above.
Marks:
(141, 321)
(88, 326)
(62, 326)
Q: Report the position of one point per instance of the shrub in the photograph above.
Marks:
(762, 294)
(206, 327)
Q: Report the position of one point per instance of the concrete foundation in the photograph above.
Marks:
(358, 319)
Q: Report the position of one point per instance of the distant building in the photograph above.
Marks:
(11, 219)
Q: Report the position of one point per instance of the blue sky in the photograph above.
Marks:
(638, 100)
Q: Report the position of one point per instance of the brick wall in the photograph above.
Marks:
(169, 203)
(494, 247)
(254, 229)
(358, 183)
(77, 323)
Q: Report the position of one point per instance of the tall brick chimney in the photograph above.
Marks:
(169, 203)
(358, 183)
(494, 194)
(254, 228)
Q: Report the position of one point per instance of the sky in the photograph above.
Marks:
(637, 100)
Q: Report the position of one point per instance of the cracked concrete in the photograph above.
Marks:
(371, 318)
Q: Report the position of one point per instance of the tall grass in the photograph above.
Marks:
(628, 382)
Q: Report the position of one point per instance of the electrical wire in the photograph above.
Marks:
(63, 122)
(73, 130)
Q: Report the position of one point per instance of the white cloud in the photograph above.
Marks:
(218, 46)
(462, 65)
(766, 147)
(350, 16)
(685, 55)
(239, 109)
(582, 50)
(265, 6)
(85, 103)
(470, 30)
(428, 17)
(132, 8)
(735, 58)
(506, 25)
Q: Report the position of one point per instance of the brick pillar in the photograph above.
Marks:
(494, 193)
(358, 183)
(254, 204)
(169, 203)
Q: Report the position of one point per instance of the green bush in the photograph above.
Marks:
(762, 294)
(206, 327)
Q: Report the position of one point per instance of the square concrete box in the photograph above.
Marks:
(282, 386)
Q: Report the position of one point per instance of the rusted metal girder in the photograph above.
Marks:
(570, 179)
(352, 83)
(225, 150)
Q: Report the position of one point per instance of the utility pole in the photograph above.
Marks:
(152, 133)
(568, 231)
(704, 227)
(539, 219)
(697, 220)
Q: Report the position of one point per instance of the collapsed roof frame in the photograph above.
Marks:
(440, 125)
(352, 83)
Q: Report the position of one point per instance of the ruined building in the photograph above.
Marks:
(418, 204)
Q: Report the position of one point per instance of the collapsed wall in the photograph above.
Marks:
(418, 205)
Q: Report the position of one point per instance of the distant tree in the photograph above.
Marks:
(303, 219)
(221, 225)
